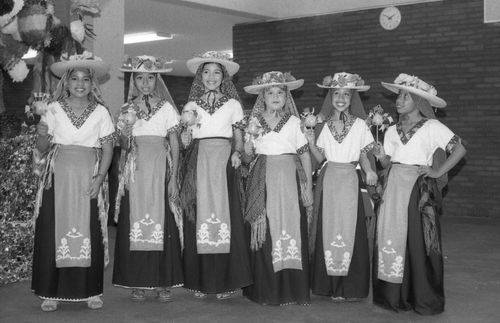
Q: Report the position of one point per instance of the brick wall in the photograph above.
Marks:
(445, 43)
(179, 87)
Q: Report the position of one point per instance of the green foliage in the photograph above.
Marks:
(18, 187)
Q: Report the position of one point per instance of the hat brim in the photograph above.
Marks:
(361, 88)
(255, 89)
(8, 17)
(143, 70)
(100, 68)
(434, 100)
(193, 64)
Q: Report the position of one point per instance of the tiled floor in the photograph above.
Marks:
(472, 284)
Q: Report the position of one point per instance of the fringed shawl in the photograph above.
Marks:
(188, 183)
(255, 209)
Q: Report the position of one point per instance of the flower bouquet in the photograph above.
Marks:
(254, 130)
(309, 120)
(190, 117)
(379, 119)
(39, 105)
(128, 116)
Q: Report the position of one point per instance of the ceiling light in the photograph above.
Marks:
(145, 37)
(30, 54)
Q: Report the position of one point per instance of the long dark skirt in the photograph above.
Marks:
(147, 269)
(71, 283)
(422, 288)
(357, 282)
(287, 286)
(218, 273)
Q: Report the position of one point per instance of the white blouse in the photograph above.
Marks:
(285, 138)
(90, 129)
(162, 119)
(219, 121)
(347, 146)
(419, 144)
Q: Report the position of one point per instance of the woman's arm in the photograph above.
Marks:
(379, 152)
(173, 189)
(107, 156)
(311, 140)
(457, 154)
(238, 148)
(305, 159)
(42, 140)
(371, 176)
(249, 153)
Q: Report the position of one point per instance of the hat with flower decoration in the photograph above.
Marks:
(344, 80)
(416, 86)
(84, 60)
(273, 79)
(146, 64)
(213, 57)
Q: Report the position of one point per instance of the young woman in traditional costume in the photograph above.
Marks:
(279, 189)
(77, 133)
(148, 244)
(408, 261)
(216, 259)
(340, 265)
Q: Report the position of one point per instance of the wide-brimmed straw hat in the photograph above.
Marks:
(84, 60)
(273, 79)
(145, 64)
(416, 86)
(344, 80)
(213, 57)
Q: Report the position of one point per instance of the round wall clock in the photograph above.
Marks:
(390, 18)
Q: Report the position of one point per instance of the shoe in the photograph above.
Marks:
(164, 295)
(225, 295)
(49, 305)
(199, 294)
(138, 295)
(338, 299)
(95, 303)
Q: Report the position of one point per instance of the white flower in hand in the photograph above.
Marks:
(378, 119)
(77, 30)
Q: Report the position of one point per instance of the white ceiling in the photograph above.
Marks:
(202, 25)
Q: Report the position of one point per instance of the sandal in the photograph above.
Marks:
(225, 295)
(164, 295)
(95, 303)
(138, 295)
(198, 294)
(49, 305)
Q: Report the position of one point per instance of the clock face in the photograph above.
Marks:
(390, 18)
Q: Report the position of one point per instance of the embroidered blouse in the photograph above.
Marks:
(220, 121)
(160, 122)
(285, 138)
(347, 146)
(90, 129)
(418, 145)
